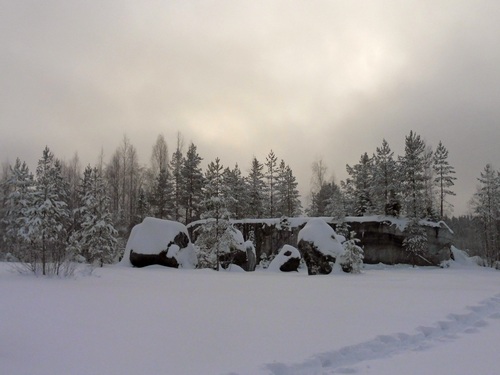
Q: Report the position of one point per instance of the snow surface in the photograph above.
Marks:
(281, 258)
(158, 320)
(323, 236)
(153, 236)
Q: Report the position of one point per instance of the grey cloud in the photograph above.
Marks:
(306, 79)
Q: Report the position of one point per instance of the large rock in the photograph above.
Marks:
(287, 260)
(161, 242)
(320, 246)
(241, 252)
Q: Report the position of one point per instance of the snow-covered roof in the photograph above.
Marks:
(295, 222)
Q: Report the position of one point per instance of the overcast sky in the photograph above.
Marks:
(308, 79)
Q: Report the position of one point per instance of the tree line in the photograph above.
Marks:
(62, 211)
(89, 212)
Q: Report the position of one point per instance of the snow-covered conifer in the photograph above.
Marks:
(160, 198)
(386, 184)
(235, 192)
(46, 218)
(358, 186)
(16, 189)
(271, 180)
(444, 178)
(415, 242)
(213, 238)
(192, 179)
(256, 189)
(486, 206)
(95, 239)
(352, 259)
(412, 174)
(176, 164)
(288, 196)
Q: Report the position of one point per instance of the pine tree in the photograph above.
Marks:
(46, 217)
(412, 173)
(486, 205)
(271, 177)
(256, 188)
(444, 179)
(192, 178)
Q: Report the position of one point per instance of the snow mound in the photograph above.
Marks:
(286, 253)
(155, 235)
(323, 236)
(461, 259)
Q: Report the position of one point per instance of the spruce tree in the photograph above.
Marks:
(386, 184)
(486, 206)
(256, 188)
(412, 174)
(176, 164)
(444, 179)
(95, 240)
(192, 179)
(271, 177)
(160, 199)
(16, 189)
(46, 217)
(213, 240)
(352, 259)
(235, 192)
(358, 186)
(288, 196)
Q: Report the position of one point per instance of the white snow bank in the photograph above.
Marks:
(323, 236)
(153, 236)
(281, 258)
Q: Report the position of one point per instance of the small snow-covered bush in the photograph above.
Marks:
(352, 259)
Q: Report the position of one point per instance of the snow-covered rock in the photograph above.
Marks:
(162, 242)
(323, 236)
(320, 246)
(287, 260)
(241, 252)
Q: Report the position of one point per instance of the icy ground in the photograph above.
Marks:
(388, 320)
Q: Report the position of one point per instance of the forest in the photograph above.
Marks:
(63, 212)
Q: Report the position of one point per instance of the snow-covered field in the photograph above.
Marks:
(155, 320)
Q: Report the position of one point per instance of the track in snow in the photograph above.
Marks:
(344, 360)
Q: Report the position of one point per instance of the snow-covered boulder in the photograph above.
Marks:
(157, 241)
(241, 252)
(287, 260)
(319, 245)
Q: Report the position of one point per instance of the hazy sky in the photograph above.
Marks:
(308, 79)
